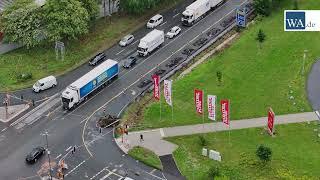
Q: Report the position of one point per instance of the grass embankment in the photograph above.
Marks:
(252, 78)
(145, 156)
(41, 61)
(295, 153)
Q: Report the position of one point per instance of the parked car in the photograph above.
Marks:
(128, 39)
(44, 83)
(174, 61)
(129, 62)
(97, 59)
(144, 83)
(126, 178)
(155, 21)
(173, 32)
(35, 154)
(159, 72)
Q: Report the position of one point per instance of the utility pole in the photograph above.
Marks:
(48, 152)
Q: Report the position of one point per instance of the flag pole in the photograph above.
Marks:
(203, 111)
(160, 102)
(229, 120)
(171, 101)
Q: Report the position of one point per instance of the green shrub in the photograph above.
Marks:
(24, 76)
(264, 153)
(202, 140)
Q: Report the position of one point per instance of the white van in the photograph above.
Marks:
(155, 21)
(44, 83)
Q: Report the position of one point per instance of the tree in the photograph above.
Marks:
(264, 153)
(295, 5)
(261, 37)
(65, 19)
(262, 7)
(22, 22)
(214, 172)
(92, 8)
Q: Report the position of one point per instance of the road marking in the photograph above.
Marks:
(4, 129)
(161, 132)
(153, 170)
(42, 99)
(58, 156)
(68, 148)
(120, 51)
(123, 76)
(94, 176)
(76, 167)
(135, 41)
(195, 38)
(163, 23)
(318, 114)
(176, 15)
(83, 121)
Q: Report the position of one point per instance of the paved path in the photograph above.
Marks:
(313, 86)
(153, 138)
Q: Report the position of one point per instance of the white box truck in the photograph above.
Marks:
(197, 10)
(150, 42)
(79, 90)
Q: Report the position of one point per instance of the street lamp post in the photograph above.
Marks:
(303, 62)
(48, 152)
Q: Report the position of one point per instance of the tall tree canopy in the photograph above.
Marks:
(137, 6)
(22, 23)
(92, 8)
(65, 19)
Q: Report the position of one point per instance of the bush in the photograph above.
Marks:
(24, 76)
(203, 141)
(214, 172)
(264, 153)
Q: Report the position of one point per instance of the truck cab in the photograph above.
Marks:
(69, 98)
(187, 18)
(142, 49)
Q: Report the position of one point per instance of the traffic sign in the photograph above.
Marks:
(241, 18)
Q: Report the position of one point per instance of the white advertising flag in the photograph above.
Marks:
(167, 91)
(212, 107)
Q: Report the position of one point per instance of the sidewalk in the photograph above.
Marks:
(153, 138)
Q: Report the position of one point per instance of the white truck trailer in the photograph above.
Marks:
(79, 90)
(150, 42)
(197, 10)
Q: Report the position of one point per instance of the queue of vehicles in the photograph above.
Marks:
(78, 91)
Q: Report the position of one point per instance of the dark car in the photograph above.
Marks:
(213, 32)
(35, 154)
(129, 62)
(188, 51)
(144, 83)
(174, 61)
(159, 72)
(200, 42)
(97, 59)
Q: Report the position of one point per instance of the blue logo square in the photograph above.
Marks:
(295, 20)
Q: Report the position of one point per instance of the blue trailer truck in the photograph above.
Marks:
(79, 90)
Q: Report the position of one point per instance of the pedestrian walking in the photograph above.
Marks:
(141, 137)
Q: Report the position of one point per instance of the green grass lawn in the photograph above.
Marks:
(145, 156)
(253, 78)
(295, 153)
(40, 61)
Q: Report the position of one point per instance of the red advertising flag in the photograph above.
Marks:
(198, 100)
(211, 101)
(156, 87)
(270, 121)
(225, 111)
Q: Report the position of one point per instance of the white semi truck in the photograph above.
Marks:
(197, 10)
(79, 90)
(150, 42)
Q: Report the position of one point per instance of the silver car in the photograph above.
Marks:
(126, 40)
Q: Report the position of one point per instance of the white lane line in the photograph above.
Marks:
(58, 156)
(163, 23)
(68, 148)
(153, 170)
(124, 75)
(120, 51)
(4, 129)
(135, 41)
(176, 15)
(94, 176)
(318, 114)
(76, 167)
(83, 121)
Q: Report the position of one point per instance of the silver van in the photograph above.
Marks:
(44, 83)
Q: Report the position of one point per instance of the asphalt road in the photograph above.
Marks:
(97, 152)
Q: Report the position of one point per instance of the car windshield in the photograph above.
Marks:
(37, 83)
(151, 21)
(142, 49)
(124, 39)
(172, 30)
(65, 100)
